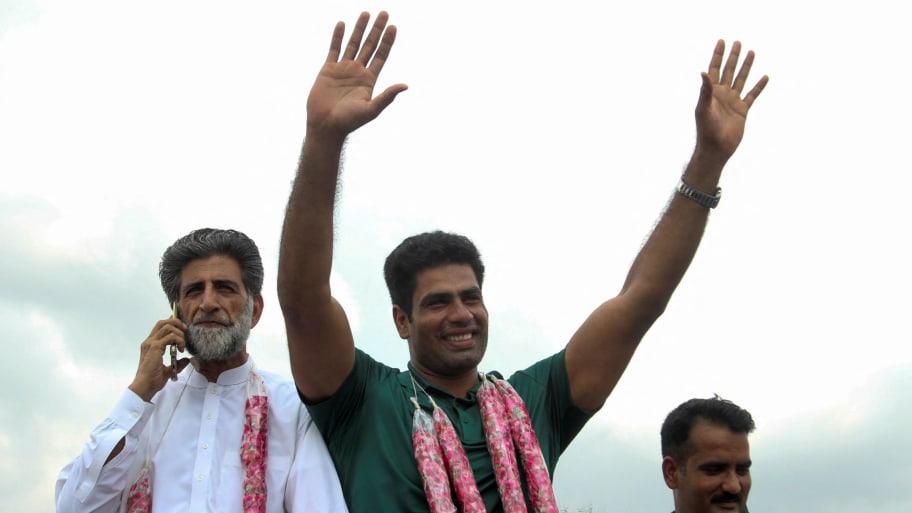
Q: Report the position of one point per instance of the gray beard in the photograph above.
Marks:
(220, 343)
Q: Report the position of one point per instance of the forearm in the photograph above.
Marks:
(669, 250)
(104, 496)
(306, 249)
(600, 350)
(320, 344)
(96, 479)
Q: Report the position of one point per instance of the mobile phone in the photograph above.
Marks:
(174, 346)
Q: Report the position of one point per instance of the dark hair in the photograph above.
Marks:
(207, 242)
(424, 251)
(679, 423)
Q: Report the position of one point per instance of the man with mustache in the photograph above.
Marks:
(213, 433)
(706, 456)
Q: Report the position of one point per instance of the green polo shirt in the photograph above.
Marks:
(367, 425)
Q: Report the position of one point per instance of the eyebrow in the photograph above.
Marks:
(217, 282)
(436, 296)
(470, 291)
(710, 465)
(448, 296)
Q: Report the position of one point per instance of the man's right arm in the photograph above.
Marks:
(320, 342)
(96, 479)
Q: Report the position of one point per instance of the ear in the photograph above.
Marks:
(257, 309)
(670, 471)
(400, 317)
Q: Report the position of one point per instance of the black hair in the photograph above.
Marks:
(679, 423)
(424, 251)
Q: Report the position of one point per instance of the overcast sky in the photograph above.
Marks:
(552, 134)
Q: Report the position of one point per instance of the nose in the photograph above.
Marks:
(460, 312)
(732, 483)
(208, 300)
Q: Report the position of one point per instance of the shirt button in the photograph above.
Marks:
(205, 446)
(213, 391)
(200, 477)
(208, 416)
(134, 414)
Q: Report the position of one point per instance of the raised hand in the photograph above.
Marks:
(341, 99)
(721, 111)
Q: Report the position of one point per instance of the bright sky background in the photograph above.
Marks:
(551, 134)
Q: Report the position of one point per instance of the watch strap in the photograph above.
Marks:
(703, 199)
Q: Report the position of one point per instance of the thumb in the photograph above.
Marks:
(384, 99)
(706, 92)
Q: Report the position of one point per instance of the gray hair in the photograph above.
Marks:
(205, 243)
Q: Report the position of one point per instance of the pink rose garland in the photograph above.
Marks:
(253, 455)
(253, 445)
(536, 471)
(430, 463)
(454, 457)
(500, 446)
(438, 451)
(139, 499)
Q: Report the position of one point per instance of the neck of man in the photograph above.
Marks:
(212, 369)
(457, 386)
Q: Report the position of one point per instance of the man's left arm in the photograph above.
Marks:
(600, 350)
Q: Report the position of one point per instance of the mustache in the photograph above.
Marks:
(726, 497)
(201, 318)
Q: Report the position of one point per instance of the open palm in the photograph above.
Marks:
(342, 98)
(721, 111)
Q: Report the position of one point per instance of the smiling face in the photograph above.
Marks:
(715, 478)
(217, 308)
(447, 332)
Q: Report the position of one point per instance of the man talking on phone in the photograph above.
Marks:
(211, 433)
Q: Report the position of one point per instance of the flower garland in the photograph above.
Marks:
(442, 460)
(253, 445)
(253, 455)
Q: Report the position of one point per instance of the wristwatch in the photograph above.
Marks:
(700, 197)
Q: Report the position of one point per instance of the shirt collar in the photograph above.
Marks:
(229, 377)
(405, 379)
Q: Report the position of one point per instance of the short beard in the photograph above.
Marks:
(218, 344)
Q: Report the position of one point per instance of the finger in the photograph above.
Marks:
(755, 92)
(177, 340)
(165, 336)
(383, 51)
(706, 92)
(370, 44)
(728, 72)
(335, 46)
(354, 42)
(176, 323)
(384, 99)
(168, 332)
(158, 327)
(715, 63)
(741, 79)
